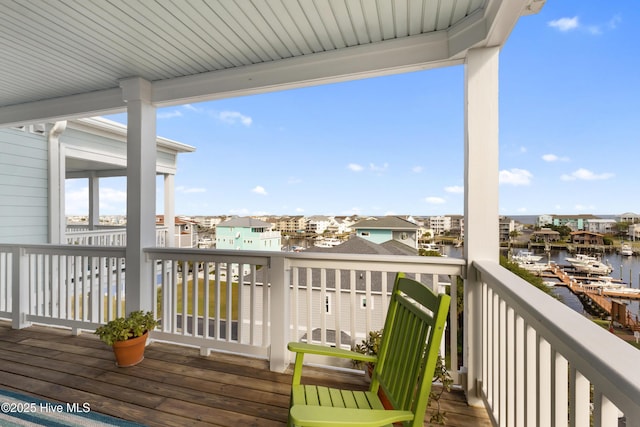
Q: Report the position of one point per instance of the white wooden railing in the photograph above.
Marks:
(544, 364)
(79, 287)
(107, 236)
(537, 361)
(272, 302)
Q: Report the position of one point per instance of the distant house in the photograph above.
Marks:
(545, 235)
(634, 232)
(440, 224)
(185, 231)
(383, 229)
(587, 238)
(292, 224)
(506, 227)
(629, 217)
(341, 225)
(247, 234)
(359, 245)
(602, 226)
(544, 220)
(574, 222)
(318, 224)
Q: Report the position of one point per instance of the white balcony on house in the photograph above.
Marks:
(108, 236)
(526, 358)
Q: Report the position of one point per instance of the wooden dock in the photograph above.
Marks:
(598, 296)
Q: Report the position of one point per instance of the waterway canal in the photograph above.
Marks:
(625, 268)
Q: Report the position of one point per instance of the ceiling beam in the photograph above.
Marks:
(384, 58)
(88, 104)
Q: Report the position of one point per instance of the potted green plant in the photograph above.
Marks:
(369, 346)
(128, 336)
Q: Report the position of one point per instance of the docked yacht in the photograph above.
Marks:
(526, 256)
(589, 265)
(329, 242)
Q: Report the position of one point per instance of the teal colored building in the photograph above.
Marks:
(383, 229)
(574, 222)
(247, 234)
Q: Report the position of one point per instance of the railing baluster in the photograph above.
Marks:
(321, 306)
(579, 400)
(337, 308)
(206, 314)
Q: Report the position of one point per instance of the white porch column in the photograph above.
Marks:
(141, 191)
(94, 202)
(57, 172)
(170, 209)
(481, 197)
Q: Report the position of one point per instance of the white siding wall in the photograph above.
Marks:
(23, 187)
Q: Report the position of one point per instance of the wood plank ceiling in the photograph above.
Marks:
(53, 49)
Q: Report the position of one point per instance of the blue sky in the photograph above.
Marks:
(569, 134)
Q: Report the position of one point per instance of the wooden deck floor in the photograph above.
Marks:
(173, 386)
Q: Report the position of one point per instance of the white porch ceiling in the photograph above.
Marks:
(65, 58)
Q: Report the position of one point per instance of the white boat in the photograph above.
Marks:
(581, 258)
(327, 243)
(534, 267)
(626, 250)
(526, 256)
(605, 282)
(429, 247)
(589, 264)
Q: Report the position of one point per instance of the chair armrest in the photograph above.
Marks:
(318, 416)
(323, 350)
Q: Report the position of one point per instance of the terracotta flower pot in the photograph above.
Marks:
(130, 352)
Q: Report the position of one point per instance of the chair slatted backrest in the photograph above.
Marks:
(410, 342)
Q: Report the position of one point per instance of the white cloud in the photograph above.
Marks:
(515, 176)
(523, 149)
(379, 169)
(417, 169)
(521, 210)
(169, 114)
(454, 189)
(586, 175)
(233, 117)
(565, 24)
(259, 190)
(613, 22)
(293, 180)
(299, 210)
(193, 108)
(554, 158)
(355, 167)
(594, 30)
(435, 200)
(76, 200)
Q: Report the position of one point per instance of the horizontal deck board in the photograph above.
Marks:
(172, 386)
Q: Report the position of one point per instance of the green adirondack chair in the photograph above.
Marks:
(403, 369)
